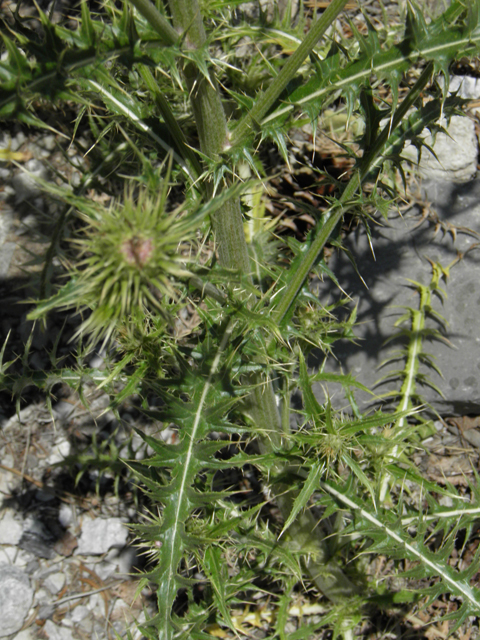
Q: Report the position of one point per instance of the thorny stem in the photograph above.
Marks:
(213, 134)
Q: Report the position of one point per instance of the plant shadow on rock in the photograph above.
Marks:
(449, 236)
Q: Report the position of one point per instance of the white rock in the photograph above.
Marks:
(10, 529)
(67, 622)
(54, 632)
(7, 554)
(65, 515)
(60, 450)
(126, 560)
(55, 582)
(445, 501)
(79, 613)
(23, 417)
(86, 625)
(97, 362)
(24, 183)
(42, 596)
(457, 153)
(96, 604)
(26, 634)
(108, 567)
(48, 142)
(465, 86)
(16, 598)
(17, 141)
(100, 535)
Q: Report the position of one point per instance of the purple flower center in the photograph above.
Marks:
(137, 251)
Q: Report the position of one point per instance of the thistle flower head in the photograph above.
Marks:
(131, 261)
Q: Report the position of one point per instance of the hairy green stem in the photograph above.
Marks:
(251, 122)
(213, 134)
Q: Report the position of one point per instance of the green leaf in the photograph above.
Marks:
(87, 30)
(309, 486)
(215, 569)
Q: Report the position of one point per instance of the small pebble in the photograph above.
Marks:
(79, 613)
(100, 535)
(65, 515)
(55, 582)
(60, 450)
(17, 141)
(54, 632)
(26, 634)
(48, 142)
(10, 528)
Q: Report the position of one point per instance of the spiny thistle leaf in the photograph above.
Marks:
(180, 464)
(382, 527)
(456, 30)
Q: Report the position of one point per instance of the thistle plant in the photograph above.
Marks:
(151, 85)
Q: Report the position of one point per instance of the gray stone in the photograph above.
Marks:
(16, 598)
(6, 254)
(55, 582)
(10, 529)
(63, 410)
(401, 249)
(100, 535)
(54, 632)
(456, 153)
(86, 625)
(79, 613)
(24, 182)
(26, 634)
